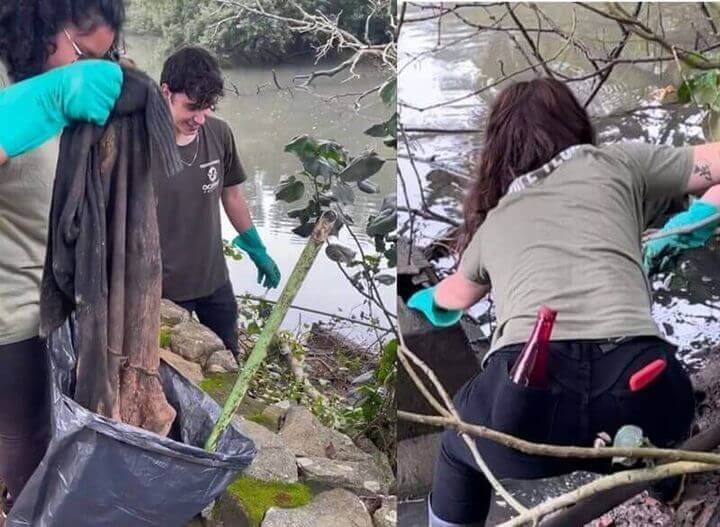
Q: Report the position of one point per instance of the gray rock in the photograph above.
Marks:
(193, 341)
(386, 516)
(273, 461)
(362, 477)
(306, 436)
(416, 461)
(276, 413)
(329, 457)
(380, 458)
(227, 512)
(221, 362)
(335, 508)
(172, 314)
(188, 369)
(364, 378)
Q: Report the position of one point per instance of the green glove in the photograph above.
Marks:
(34, 110)
(659, 254)
(424, 301)
(250, 242)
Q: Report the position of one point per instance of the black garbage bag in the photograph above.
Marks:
(101, 473)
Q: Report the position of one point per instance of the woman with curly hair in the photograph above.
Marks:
(553, 219)
(42, 43)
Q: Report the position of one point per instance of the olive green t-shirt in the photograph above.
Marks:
(189, 213)
(572, 242)
(25, 194)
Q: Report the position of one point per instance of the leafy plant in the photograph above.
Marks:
(701, 88)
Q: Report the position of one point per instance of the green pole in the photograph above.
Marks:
(319, 235)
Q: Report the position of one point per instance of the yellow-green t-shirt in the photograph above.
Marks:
(25, 194)
(572, 242)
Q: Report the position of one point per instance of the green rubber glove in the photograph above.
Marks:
(34, 110)
(250, 242)
(659, 254)
(424, 301)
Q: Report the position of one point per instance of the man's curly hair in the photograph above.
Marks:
(27, 28)
(195, 72)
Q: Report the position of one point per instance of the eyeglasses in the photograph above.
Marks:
(78, 51)
(114, 53)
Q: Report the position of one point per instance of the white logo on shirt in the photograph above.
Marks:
(212, 175)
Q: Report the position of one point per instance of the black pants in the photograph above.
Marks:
(588, 393)
(24, 411)
(219, 312)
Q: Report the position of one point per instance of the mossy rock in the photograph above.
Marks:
(219, 385)
(263, 420)
(246, 501)
(165, 337)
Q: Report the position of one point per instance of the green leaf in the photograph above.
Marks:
(684, 93)
(385, 279)
(302, 214)
(388, 93)
(362, 167)
(388, 361)
(302, 146)
(391, 125)
(339, 253)
(388, 128)
(305, 229)
(384, 223)
(290, 189)
(391, 255)
(332, 150)
(377, 130)
(344, 193)
(706, 94)
(380, 244)
(390, 142)
(368, 187)
(320, 167)
(701, 88)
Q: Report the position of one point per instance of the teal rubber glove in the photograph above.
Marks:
(34, 110)
(659, 254)
(424, 301)
(250, 242)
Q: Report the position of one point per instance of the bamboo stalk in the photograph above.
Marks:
(259, 352)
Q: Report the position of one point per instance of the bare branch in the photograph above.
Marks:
(533, 48)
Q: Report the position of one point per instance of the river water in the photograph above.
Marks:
(263, 120)
(442, 64)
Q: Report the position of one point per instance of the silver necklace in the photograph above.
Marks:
(197, 150)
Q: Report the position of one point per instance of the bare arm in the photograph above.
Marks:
(712, 196)
(233, 200)
(3, 156)
(706, 168)
(457, 292)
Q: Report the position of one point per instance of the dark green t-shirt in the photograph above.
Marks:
(189, 213)
(572, 242)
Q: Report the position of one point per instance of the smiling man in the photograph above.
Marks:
(195, 275)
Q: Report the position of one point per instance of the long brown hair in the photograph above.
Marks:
(530, 122)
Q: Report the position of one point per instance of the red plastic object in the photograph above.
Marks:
(530, 368)
(641, 378)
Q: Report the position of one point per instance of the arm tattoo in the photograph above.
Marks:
(702, 169)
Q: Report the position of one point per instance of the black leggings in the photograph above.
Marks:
(588, 393)
(24, 411)
(219, 312)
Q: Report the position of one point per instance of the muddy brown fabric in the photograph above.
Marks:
(103, 255)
